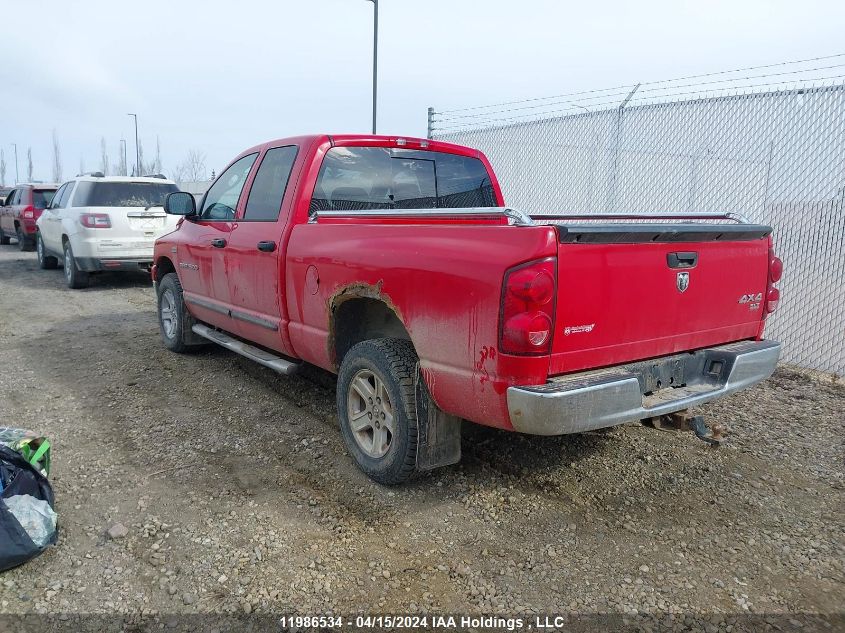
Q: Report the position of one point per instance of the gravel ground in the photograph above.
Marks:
(207, 484)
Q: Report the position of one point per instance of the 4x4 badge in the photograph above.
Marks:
(683, 281)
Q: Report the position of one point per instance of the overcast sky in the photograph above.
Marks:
(222, 76)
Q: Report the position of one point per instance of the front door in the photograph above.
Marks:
(255, 257)
(201, 255)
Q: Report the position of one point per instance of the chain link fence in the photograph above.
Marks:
(777, 157)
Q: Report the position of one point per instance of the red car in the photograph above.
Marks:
(395, 263)
(20, 210)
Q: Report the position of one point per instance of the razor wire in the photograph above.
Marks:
(775, 155)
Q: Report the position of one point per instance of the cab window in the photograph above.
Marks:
(222, 198)
(268, 187)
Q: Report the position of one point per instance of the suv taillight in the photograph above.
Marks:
(29, 212)
(95, 220)
(528, 308)
(775, 273)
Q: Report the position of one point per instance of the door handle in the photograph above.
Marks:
(682, 260)
(267, 247)
(218, 242)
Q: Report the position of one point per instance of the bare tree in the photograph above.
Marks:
(121, 158)
(179, 173)
(104, 157)
(157, 164)
(195, 166)
(2, 168)
(29, 164)
(57, 158)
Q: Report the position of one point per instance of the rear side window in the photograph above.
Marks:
(14, 197)
(268, 187)
(41, 198)
(121, 194)
(64, 198)
(222, 199)
(356, 178)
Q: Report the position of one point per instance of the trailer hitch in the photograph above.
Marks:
(683, 421)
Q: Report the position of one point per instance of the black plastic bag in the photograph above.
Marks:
(19, 478)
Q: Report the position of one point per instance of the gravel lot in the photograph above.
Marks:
(227, 489)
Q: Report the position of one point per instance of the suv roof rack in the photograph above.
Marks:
(93, 174)
(161, 176)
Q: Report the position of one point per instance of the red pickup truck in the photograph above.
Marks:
(395, 263)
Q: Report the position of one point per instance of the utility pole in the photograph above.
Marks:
(17, 178)
(137, 147)
(430, 122)
(375, 60)
(124, 170)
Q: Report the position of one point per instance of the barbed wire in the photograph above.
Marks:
(651, 83)
(637, 99)
(585, 100)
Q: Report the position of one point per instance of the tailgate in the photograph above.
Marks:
(628, 292)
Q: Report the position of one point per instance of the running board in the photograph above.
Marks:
(260, 356)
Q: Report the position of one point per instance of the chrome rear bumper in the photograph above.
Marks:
(602, 398)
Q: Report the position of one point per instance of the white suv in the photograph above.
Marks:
(97, 223)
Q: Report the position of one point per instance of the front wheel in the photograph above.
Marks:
(174, 321)
(75, 278)
(377, 408)
(45, 261)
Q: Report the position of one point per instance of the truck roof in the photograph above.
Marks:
(374, 140)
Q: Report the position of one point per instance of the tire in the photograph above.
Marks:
(174, 321)
(45, 262)
(23, 243)
(4, 240)
(75, 278)
(388, 366)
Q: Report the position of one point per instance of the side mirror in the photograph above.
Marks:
(180, 203)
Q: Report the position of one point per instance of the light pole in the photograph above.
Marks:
(17, 178)
(123, 142)
(375, 59)
(137, 147)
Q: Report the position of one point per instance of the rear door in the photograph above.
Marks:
(631, 292)
(254, 255)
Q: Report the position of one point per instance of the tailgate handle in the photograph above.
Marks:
(682, 260)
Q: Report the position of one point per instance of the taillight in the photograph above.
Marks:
(95, 220)
(772, 300)
(775, 273)
(528, 308)
(29, 212)
(775, 267)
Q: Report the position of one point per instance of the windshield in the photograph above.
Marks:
(121, 194)
(356, 178)
(41, 197)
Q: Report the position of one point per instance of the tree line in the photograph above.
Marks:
(192, 168)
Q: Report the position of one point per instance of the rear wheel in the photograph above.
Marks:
(23, 242)
(4, 240)
(377, 408)
(45, 261)
(75, 278)
(173, 319)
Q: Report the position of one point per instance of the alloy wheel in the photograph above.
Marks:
(370, 413)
